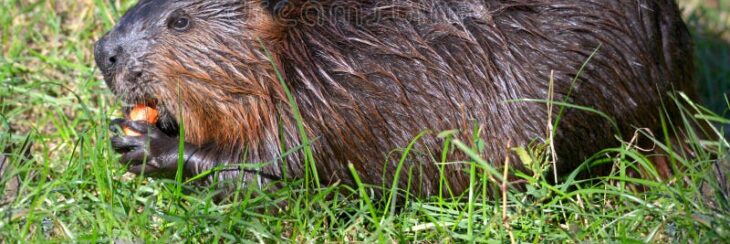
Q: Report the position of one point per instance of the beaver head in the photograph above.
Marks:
(199, 62)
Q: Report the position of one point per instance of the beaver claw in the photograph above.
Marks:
(153, 152)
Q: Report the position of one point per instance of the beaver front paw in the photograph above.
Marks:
(152, 151)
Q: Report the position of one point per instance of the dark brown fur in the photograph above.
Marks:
(372, 75)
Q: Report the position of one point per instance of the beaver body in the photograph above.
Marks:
(369, 76)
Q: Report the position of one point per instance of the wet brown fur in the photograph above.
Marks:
(371, 77)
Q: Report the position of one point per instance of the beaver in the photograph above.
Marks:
(369, 76)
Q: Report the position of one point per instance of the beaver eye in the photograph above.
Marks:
(181, 23)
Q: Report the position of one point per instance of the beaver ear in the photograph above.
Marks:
(283, 9)
(275, 6)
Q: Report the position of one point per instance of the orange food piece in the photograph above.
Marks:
(141, 112)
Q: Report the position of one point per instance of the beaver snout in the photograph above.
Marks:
(119, 60)
(107, 54)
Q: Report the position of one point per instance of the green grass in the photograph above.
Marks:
(73, 189)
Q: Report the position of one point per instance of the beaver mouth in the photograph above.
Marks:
(137, 88)
(166, 121)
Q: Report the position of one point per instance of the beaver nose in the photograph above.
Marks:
(106, 55)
